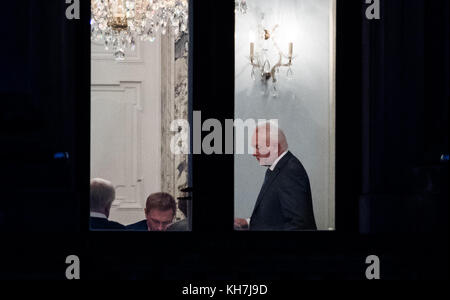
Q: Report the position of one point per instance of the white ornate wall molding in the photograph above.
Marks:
(332, 118)
(126, 126)
(174, 103)
(118, 127)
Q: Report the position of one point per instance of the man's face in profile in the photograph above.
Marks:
(159, 220)
(266, 146)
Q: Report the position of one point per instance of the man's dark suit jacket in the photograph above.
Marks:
(104, 224)
(284, 202)
(139, 226)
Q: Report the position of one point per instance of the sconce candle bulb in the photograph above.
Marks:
(262, 63)
(251, 37)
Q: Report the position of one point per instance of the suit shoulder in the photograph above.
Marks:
(139, 225)
(116, 225)
(104, 224)
(294, 166)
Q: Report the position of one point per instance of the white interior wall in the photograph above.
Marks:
(126, 126)
(305, 105)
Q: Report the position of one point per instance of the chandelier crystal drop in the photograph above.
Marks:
(241, 6)
(119, 23)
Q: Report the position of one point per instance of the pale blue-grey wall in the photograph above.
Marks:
(303, 105)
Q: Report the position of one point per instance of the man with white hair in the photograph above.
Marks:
(102, 195)
(284, 202)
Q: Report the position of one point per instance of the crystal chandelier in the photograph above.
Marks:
(119, 23)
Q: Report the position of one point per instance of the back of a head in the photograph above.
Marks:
(161, 201)
(102, 195)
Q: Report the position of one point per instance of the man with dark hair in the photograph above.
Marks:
(102, 195)
(160, 209)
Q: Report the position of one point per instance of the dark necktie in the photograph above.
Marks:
(266, 178)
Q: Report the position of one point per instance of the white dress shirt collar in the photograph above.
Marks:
(272, 167)
(98, 215)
